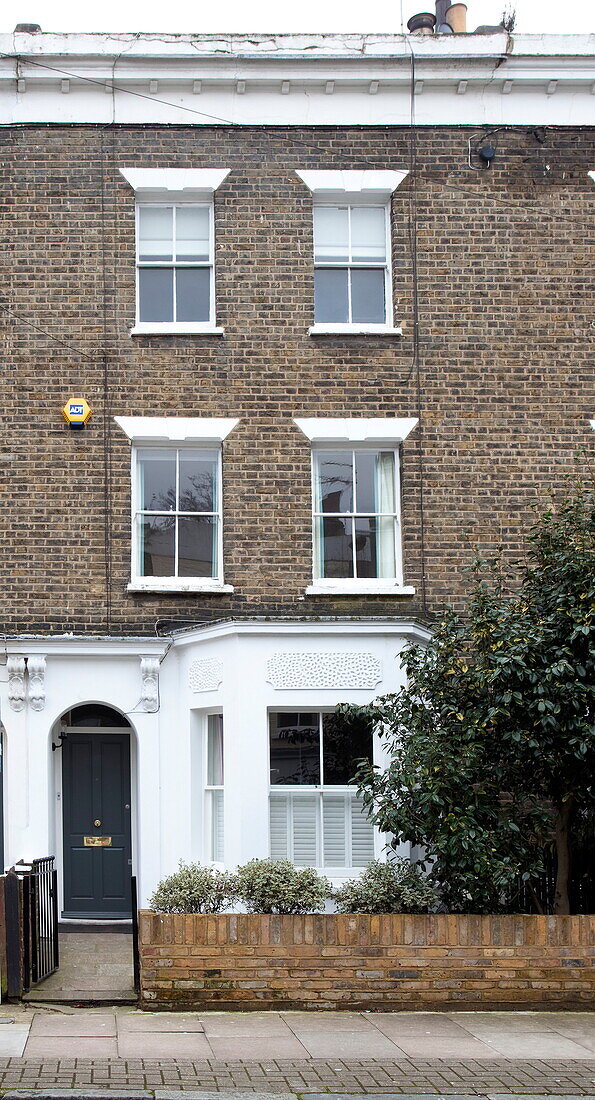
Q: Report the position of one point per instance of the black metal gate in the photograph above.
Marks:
(31, 893)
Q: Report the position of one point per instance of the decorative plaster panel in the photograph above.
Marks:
(205, 674)
(16, 682)
(324, 670)
(36, 682)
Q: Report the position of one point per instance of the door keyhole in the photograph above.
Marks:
(97, 823)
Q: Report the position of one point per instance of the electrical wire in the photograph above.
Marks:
(107, 546)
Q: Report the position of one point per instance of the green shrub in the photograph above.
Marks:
(393, 887)
(194, 889)
(276, 886)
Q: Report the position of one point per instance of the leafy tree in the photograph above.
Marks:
(492, 741)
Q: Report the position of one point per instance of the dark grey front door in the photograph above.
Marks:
(96, 816)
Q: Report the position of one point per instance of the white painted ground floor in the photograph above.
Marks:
(217, 743)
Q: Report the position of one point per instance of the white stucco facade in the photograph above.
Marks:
(166, 688)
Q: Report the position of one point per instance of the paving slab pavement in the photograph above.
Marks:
(126, 1053)
(56, 1032)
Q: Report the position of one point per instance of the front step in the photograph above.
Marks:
(82, 996)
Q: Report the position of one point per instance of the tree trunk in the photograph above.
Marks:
(561, 898)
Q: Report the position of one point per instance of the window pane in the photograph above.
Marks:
(157, 477)
(198, 481)
(366, 488)
(337, 547)
(367, 296)
(192, 233)
(334, 481)
(155, 232)
(368, 234)
(385, 475)
(331, 233)
(156, 293)
(331, 301)
(295, 748)
(197, 546)
(193, 293)
(344, 743)
(156, 543)
(215, 750)
(370, 562)
(365, 547)
(375, 481)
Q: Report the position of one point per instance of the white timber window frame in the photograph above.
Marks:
(214, 789)
(350, 191)
(187, 436)
(351, 437)
(311, 822)
(176, 190)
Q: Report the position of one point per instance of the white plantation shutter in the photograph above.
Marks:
(333, 816)
(305, 829)
(362, 835)
(279, 825)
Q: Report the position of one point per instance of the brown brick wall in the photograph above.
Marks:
(504, 390)
(349, 962)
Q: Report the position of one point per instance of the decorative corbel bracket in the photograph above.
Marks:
(149, 671)
(36, 682)
(17, 695)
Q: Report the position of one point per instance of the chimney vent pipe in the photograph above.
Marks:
(441, 9)
(456, 17)
(423, 23)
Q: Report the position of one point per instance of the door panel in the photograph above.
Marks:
(96, 787)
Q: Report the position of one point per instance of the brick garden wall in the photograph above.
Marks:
(505, 353)
(363, 962)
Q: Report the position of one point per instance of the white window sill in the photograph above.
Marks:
(175, 328)
(354, 330)
(178, 584)
(359, 588)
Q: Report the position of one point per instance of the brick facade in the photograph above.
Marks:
(362, 962)
(504, 388)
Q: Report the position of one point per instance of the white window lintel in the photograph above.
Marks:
(340, 430)
(359, 186)
(189, 183)
(178, 429)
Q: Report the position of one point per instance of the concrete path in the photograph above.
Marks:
(467, 1053)
(94, 966)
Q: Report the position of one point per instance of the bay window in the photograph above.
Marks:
(316, 816)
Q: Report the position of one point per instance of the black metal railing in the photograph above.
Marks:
(32, 920)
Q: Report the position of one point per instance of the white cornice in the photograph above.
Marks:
(364, 184)
(67, 645)
(181, 182)
(178, 429)
(71, 645)
(310, 628)
(357, 430)
(288, 80)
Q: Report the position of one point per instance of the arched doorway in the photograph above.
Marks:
(96, 813)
